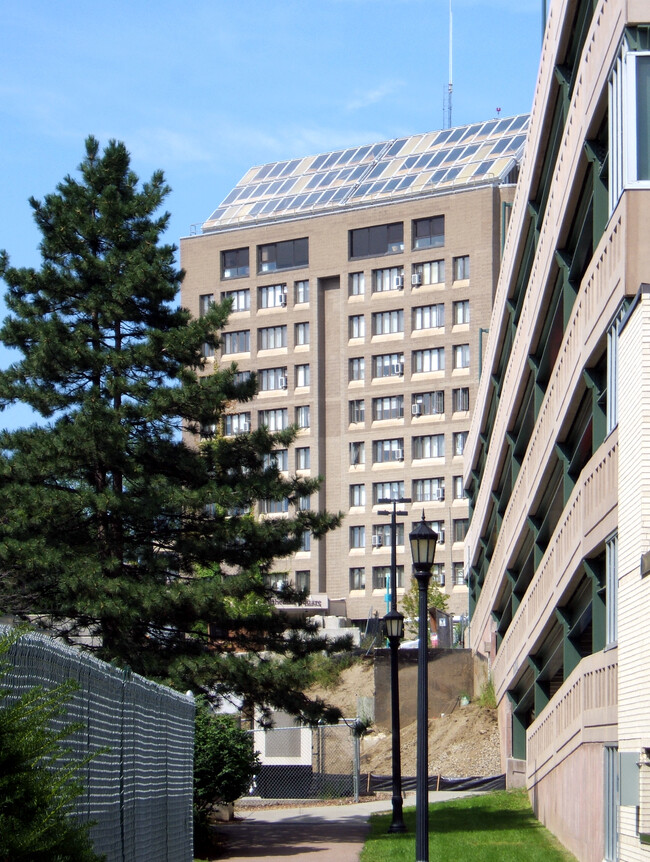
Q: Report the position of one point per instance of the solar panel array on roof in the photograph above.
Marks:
(419, 164)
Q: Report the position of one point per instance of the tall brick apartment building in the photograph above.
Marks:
(362, 284)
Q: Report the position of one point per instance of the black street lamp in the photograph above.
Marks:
(423, 548)
(395, 631)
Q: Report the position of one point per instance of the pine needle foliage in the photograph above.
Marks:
(115, 525)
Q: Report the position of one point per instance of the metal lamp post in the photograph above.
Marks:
(395, 631)
(423, 548)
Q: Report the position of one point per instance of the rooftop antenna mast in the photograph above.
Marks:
(450, 86)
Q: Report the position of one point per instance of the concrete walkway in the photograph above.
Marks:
(325, 833)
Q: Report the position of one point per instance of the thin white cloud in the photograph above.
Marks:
(363, 99)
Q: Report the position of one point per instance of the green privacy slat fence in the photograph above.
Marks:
(139, 791)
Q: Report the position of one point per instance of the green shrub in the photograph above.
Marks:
(224, 759)
(37, 791)
(487, 697)
(327, 669)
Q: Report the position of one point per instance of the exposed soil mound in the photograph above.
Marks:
(462, 743)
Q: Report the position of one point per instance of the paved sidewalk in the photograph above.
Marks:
(325, 833)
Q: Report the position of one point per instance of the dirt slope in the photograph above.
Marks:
(463, 743)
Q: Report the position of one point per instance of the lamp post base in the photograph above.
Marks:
(397, 824)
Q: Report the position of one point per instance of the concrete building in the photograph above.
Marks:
(362, 283)
(558, 455)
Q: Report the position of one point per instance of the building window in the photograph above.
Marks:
(429, 446)
(439, 528)
(384, 451)
(388, 365)
(271, 379)
(390, 407)
(358, 537)
(429, 232)
(431, 359)
(377, 240)
(305, 541)
(237, 342)
(387, 491)
(279, 459)
(356, 326)
(381, 535)
(459, 440)
(283, 255)
(234, 263)
(381, 577)
(272, 296)
(241, 299)
(429, 316)
(391, 278)
(205, 301)
(302, 416)
(461, 355)
(357, 368)
(302, 334)
(274, 420)
(301, 292)
(303, 458)
(241, 377)
(304, 502)
(629, 125)
(275, 580)
(460, 526)
(357, 410)
(459, 488)
(388, 322)
(438, 574)
(458, 574)
(431, 272)
(428, 490)
(461, 311)
(302, 375)
(460, 400)
(357, 578)
(303, 579)
(274, 507)
(357, 453)
(611, 590)
(357, 495)
(357, 284)
(612, 373)
(236, 423)
(461, 268)
(271, 337)
(428, 403)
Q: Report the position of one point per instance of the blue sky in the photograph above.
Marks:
(205, 90)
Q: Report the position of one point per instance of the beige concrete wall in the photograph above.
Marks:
(451, 674)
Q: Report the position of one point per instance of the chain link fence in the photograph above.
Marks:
(308, 763)
(138, 784)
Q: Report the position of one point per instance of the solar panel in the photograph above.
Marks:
(384, 171)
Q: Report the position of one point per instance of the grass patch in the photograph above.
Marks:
(494, 827)
(327, 669)
(487, 697)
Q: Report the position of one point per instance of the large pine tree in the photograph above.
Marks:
(114, 529)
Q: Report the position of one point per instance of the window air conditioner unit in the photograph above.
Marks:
(416, 279)
(416, 409)
(441, 537)
(283, 383)
(377, 541)
(400, 454)
(245, 427)
(439, 494)
(283, 300)
(398, 369)
(399, 282)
